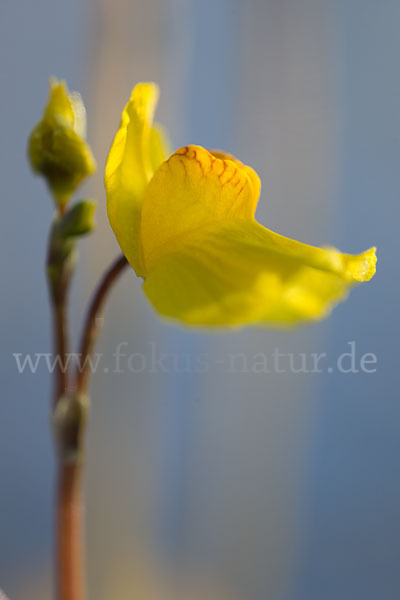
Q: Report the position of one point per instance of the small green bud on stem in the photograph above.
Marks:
(78, 220)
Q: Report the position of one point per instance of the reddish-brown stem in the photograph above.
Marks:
(69, 419)
(60, 267)
(92, 323)
(60, 345)
(69, 527)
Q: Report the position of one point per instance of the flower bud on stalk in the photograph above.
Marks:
(57, 147)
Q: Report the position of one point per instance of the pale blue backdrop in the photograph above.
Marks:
(219, 485)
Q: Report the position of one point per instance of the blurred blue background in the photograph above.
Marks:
(223, 485)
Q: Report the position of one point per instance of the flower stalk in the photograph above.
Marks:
(92, 325)
(70, 579)
(61, 258)
(70, 407)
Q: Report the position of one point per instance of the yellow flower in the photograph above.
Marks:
(187, 226)
(57, 148)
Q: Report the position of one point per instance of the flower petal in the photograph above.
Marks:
(138, 149)
(189, 191)
(59, 109)
(208, 262)
(245, 274)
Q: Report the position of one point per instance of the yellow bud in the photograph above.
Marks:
(57, 148)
